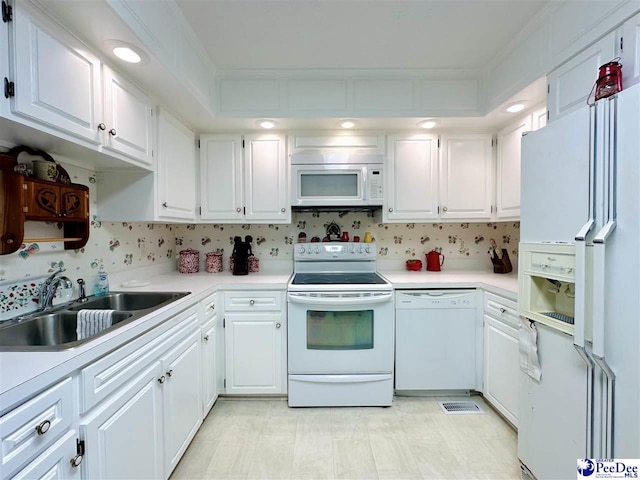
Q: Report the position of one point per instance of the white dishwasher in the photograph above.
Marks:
(435, 340)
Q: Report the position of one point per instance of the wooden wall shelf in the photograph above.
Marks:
(25, 198)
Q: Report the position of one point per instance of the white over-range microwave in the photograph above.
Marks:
(336, 179)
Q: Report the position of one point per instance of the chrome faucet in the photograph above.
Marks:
(49, 286)
(82, 296)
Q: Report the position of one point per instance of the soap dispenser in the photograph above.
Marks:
(102, 285)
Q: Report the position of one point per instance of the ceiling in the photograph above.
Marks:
(329, 35)
(356, 34)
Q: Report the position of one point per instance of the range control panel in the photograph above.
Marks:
(334, 250)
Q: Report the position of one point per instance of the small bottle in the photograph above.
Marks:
(102, 285)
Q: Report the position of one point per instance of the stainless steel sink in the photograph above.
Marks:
(52, 329)
(56, 329)
(129, 301)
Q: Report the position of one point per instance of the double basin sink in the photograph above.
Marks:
(55, 329)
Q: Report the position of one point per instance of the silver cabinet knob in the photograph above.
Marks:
(112, 132)
(238, 209)
(278, 325)
(165, 204)
(391, 209)
(76, 461)
(444, 209)
(212, 306)
(206, 338)
(161, 379)
(43, 427)
(252, 302)
(102, 126)
(283, 210)
(502, 310)
(169, 373)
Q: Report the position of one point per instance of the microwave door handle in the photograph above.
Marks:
(365, 183)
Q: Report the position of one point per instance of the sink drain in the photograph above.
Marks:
(460, 408)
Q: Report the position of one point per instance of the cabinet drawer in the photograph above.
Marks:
(209, 308)
(502, 309)
(248, 301)
(35, 425)
(106, 375)
(54, 463)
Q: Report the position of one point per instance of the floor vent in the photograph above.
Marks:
(460, 408)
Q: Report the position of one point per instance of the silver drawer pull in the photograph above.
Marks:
(43, 427)
(278, 325)
(212, 306)
(206, 338)
(252, 302)
(76, 461)
(503, 310)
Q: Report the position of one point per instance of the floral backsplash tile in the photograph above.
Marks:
(393, 241)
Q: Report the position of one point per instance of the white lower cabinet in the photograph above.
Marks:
(501, 355)
(255, 343)
(54, 463)
(123, 437)
(31, 428)
(211, 325)
(182, 401)
(142, 428)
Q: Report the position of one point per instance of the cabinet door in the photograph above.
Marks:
(254, 345)
(41, 199)
(571, 82)
(631, 52)
(124, 435)
(57, 80)
(221, 178)
(508, 169)
(74, 202)
(54, 463)
(466, 171)
(182, 398)
(411, 179)
(128, 119)
(266, 173)
(209, 367)
(501, 367)
(176, 173)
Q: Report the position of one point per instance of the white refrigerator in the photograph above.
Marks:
(581, 188)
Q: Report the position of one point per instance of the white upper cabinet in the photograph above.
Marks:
(176, 170)
(508, 168)
(631, 52)
(56, 78)
(127, 127)
(570, 84)
(244, 179)
(411, 178)
(466, 177)
(266, 173)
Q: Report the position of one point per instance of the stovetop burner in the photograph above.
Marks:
(350, 278)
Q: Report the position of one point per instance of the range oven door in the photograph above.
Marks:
(335, 333)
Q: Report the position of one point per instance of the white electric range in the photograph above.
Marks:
(340, 327)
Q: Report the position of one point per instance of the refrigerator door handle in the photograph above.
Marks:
(584, 354)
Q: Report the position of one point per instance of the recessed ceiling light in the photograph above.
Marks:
(127, 55)
(428, 124)
(127, 52)
(347, 124)
(266, 124)
(515, 108)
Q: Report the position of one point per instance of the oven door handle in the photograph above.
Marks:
(305, 299)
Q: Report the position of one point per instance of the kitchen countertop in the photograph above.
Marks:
(501, 284)
(24, 373)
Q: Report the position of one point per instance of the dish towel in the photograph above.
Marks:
(91, 322)
(529, 362)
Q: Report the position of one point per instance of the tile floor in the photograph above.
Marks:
(413, 439)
